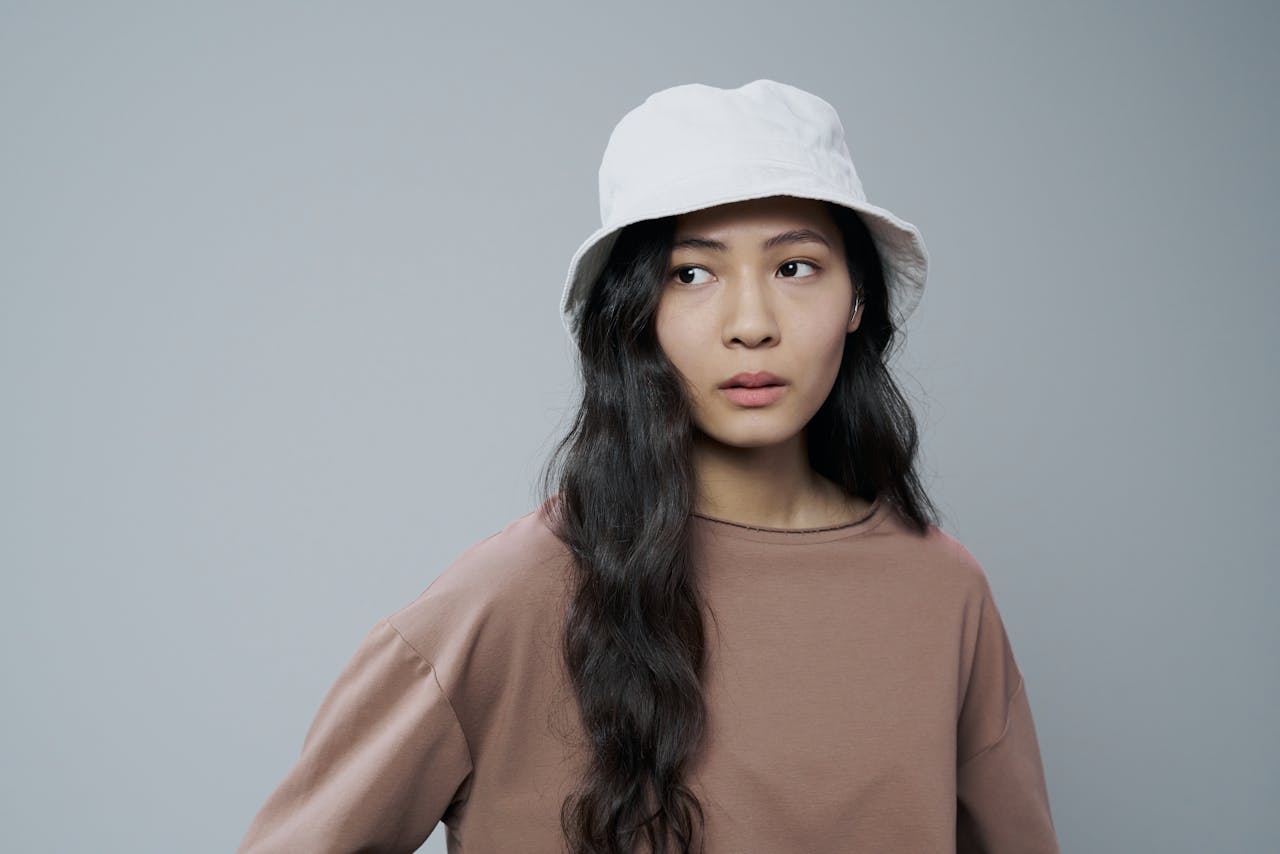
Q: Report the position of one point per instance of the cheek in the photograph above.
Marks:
(677, 340)
(835, 345)
(825, 353)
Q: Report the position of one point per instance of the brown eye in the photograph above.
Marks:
(791, 265)
(681, 272)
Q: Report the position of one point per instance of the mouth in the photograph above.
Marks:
(753, 396)
(757, 379)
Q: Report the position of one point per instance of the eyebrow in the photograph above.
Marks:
(796, 235)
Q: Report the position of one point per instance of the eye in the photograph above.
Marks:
(679, 271)
(791, 265)
(682, 271)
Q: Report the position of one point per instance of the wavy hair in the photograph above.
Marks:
(624, 486)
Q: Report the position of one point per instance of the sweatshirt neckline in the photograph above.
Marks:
(724, 527)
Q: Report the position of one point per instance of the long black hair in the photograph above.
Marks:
(623, 486)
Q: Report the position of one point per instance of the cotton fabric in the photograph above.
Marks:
(862, 691)
(693, 146)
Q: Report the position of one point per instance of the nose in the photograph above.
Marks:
(748, 312)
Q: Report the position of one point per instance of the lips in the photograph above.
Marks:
(756, 379)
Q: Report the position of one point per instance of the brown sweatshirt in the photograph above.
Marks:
(862, 695)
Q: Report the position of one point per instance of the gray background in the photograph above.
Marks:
(279, 338)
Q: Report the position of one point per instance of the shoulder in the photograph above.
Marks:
(501, 584)
(983, 632)
(937, 556)
(960, 561)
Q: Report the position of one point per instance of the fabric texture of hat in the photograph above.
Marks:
(694, 146)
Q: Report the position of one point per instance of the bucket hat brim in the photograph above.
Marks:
(903, 255)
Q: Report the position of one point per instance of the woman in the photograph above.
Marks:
(732, 623)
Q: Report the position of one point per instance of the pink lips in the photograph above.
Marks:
(762, 396)
(759, 388)
(754, 379)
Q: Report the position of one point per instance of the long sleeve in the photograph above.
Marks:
(1003, 801)
(381, 762)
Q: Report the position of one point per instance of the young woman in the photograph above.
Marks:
(732, 624)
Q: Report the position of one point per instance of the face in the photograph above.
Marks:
(758, 285)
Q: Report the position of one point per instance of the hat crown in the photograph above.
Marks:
(688, 131)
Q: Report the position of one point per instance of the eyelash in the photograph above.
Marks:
(816, 267)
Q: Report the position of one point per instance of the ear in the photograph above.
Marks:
(855, 316)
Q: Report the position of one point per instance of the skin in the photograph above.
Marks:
(785, 310)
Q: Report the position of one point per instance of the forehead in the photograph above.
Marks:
(770, 213)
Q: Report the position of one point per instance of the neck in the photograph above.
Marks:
(771, 486)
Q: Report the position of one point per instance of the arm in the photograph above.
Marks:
(381, 762)
(1003, 802)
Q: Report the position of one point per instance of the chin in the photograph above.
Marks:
(751, 436)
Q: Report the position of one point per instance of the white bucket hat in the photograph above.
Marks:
(695, 146)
